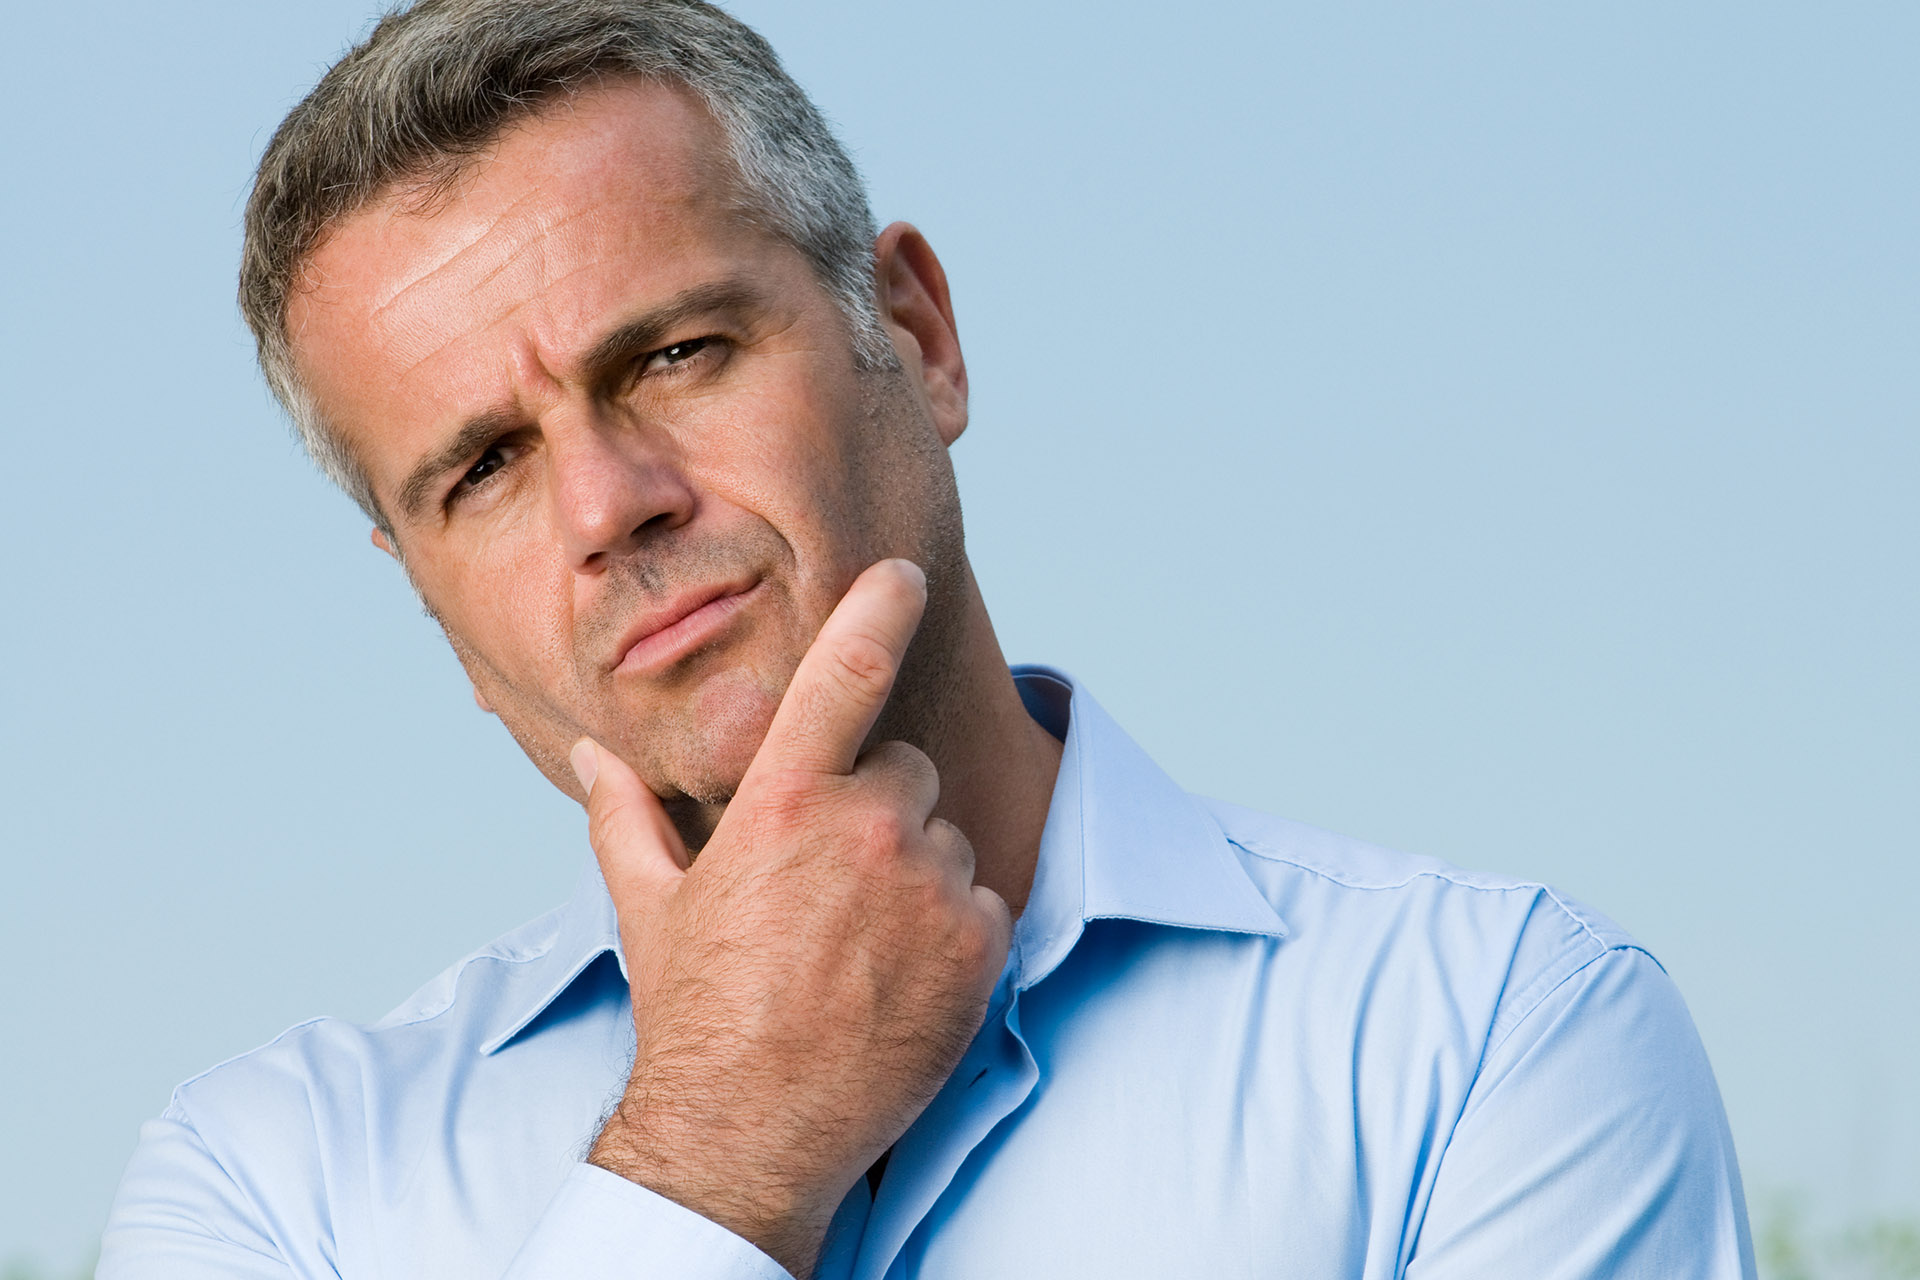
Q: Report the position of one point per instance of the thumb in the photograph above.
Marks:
(641, 854)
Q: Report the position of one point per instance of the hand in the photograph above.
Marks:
(801, 993)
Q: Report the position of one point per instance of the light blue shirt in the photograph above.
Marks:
(1224, 1045)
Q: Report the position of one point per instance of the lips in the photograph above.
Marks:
(662, 636)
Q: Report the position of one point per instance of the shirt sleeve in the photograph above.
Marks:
(1592, 1145)
(599, 1226)
(179, 1215)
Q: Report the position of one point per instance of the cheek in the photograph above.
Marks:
(511, 609)
(789, 451)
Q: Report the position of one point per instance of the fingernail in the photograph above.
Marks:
(586, 766)
(919, 575)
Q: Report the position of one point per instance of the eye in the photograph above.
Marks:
(480, 472)
(490, 461)
(677, 354)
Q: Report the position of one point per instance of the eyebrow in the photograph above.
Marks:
(609, 355)
(647, 331)
(473, 434)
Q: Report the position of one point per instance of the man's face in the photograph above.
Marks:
(628, 458)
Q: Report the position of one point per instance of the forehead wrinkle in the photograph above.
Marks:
(545, 222)
(534, 245)
(536, 242)
(449, 340)
(523, 361)
(538, 215)
(479, 238)
(531, 254)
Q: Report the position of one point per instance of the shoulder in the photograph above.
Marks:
(325, 1068)
(1349, 901)
(337, 1139)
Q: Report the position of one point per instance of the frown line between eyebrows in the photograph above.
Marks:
(603, 364)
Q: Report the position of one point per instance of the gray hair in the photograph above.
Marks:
(435, 84)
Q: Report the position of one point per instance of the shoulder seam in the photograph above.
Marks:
(380, 1024)
(1625, 942)
(1533, 1006)
(1423, 873)
(1449, 875)
(240, 1057)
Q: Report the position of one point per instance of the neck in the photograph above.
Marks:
(997, 765)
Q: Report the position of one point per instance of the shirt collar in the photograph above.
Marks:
(585, 929)
(1122, 841)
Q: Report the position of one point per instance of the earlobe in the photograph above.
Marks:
(918, 311)
(380, 541)
(480, 700)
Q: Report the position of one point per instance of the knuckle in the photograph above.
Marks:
(915, 763)
(982, 941)
(901, 763)
(969, 942)
(862, 663)
(948, 836)
(952, 842)
(995, 922)
(603, 822)
(892, 754)
(784, 789)
(882, 832)
(878, 761)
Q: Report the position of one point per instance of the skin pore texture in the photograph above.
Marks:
(632, 466)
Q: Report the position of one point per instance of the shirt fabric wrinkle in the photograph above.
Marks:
(1223, 1045)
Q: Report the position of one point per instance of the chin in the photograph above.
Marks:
(719, 739)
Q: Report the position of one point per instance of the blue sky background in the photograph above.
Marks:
(1486, 429)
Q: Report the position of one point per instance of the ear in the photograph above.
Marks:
(382, 541)
(918, 313)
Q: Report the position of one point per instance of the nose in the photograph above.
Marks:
(611, 487)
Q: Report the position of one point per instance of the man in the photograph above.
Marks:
(891, 962)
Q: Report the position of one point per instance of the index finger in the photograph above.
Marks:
(847, 673)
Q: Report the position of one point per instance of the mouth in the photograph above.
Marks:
(690, 621)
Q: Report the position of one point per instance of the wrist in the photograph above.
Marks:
(764, 1206)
